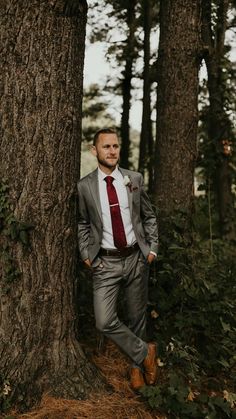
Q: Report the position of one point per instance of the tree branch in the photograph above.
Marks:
(221, 26)
(207, 36)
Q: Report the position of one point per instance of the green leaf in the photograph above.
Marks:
(226, 326)
(176, 247)
(224, 363)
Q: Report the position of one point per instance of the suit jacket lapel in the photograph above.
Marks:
(130, 194)
(94, 188)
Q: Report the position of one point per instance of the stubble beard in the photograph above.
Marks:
(106, 163)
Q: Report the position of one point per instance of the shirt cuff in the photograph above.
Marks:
(153, 253)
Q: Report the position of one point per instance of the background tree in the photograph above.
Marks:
(191, 284)
(146, 149)
(125, 23)
(177, 114)
(220, 83)
(119, 32)
(41, 90)
(129, 54)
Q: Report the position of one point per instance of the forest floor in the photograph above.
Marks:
(122, 403)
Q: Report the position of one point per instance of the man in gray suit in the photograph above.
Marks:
(118, 240)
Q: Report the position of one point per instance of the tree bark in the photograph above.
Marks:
(41, 90)
(126, 85)
(177, 113)
(219, 124)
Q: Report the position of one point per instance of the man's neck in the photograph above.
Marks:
(107, 170)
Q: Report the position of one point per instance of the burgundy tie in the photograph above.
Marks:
(116, 219)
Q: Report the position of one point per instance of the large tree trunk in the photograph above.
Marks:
(41, 90)
(126, 85)
(177, 114)
(219, 130)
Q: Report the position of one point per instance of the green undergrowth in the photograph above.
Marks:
(193, 319)
(5, 390)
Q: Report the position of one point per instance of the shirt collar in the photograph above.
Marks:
(115, 174)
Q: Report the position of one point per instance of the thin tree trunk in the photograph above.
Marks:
(146, 138)
(177, 113)
(41, 90)
(219, 124)
(126, 85)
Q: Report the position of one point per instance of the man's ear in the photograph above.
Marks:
(94, 150)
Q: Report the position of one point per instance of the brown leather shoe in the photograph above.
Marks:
(136, 379)
(150, 364)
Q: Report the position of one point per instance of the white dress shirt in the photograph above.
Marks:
(107, 239)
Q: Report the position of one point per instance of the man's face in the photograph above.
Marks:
(107, 150)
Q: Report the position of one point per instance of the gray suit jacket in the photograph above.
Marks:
(90, 215)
